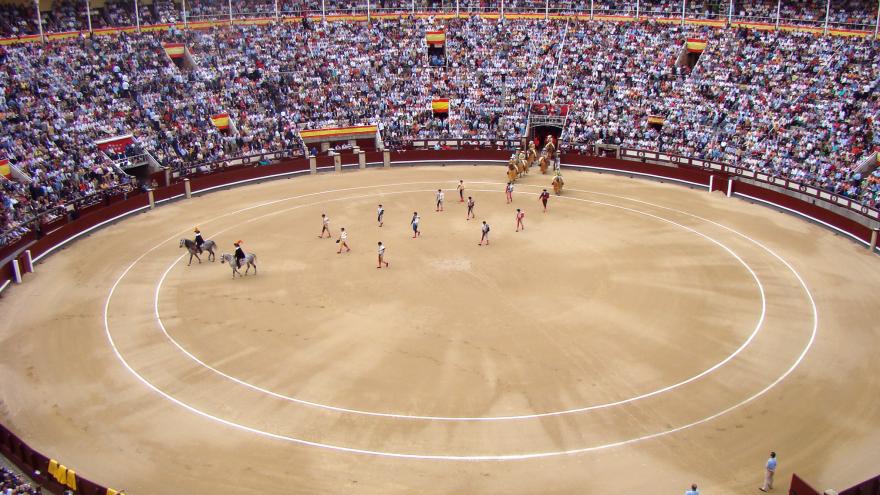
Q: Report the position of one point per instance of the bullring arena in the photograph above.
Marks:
(638, 334)
(689, 303)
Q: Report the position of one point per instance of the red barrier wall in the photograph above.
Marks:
(812, 210)
(867, 487)
(247, 173)
(374, 157)
(800, 487)
(686, 174)
(169, 192)
(87, 220)
(428, 155)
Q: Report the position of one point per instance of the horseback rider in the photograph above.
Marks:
(199, 240)
(239, 254)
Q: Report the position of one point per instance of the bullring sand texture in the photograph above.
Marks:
(616, 328)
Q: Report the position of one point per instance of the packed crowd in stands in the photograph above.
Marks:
(70, 15)
(13, 484)
(791, 104)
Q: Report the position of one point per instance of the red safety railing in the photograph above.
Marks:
(770, 180)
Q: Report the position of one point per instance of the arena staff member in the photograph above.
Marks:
(769, 471)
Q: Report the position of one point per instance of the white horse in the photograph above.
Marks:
(250, 260)
(207, 246)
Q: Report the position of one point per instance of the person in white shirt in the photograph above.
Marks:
(461, 191)
(415, 224)
(485, 236)
(325, 225)
(380, 213)
(470, 206)
(439, 200)
(343, 241)
(693, 490)
(381, 252)
(508, 190)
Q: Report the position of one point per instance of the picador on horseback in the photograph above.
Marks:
(198, 246)
(239, 254)
(199, 240)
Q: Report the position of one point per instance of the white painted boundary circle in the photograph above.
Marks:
(646, 395)
(501, 457)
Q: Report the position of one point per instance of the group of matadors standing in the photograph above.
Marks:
(415, 221)
(240, 258)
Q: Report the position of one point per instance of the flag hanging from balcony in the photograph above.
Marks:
(5, 169)
(696, 45)
(435, 38)
(440, 107)
(220, 121)
(116, 144)
(174, 50)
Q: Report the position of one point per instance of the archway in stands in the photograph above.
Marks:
(539, 133)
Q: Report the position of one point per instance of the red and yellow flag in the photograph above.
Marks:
(696, 45)
(5, 169)
(330, 132)
(435, 38)
(220, 121)
(174, 50)
(440, 105)
(656, 119)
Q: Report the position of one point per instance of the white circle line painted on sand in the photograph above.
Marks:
(483, 457)
(646, 395)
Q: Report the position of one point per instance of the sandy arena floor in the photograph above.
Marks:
(636, 338)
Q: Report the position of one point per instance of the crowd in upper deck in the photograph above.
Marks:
(792, 104)
(71, 15)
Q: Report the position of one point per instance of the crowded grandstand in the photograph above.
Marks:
(795, 104)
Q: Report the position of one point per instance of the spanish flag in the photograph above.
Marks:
(5, 169)
(339, 133)
(173, 50)
(435, 38)
(656, 119)
(220, 121)
(440, 106)
(696, 45)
